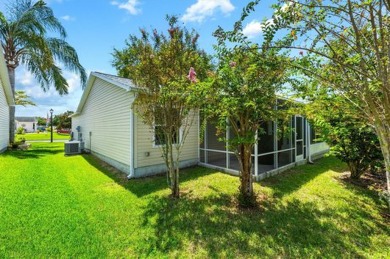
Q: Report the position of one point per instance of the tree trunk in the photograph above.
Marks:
(355, 170)
(173, 171)
(11, 74)
(383, 132)
(246, 198)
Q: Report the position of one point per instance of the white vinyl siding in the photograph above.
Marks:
(4, 119)
(147, 154)
(106, 114)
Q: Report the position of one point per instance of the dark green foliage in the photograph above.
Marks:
(41, 121)
(63, 120)
(351, 139)
(357, 145)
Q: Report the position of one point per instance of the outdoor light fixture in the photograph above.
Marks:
(51, 125)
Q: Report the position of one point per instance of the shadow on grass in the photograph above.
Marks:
(35, 152)
(295, 178)
(147, 185)
(213, 226)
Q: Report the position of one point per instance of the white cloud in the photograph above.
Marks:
(49, 99)
(130, 6)
(25, 78)
(252, 29)
(67, 18)
(202, 9)
(255, 28)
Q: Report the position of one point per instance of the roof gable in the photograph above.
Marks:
(120, 82)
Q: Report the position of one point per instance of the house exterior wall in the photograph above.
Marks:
(318, 149)
(105, 123)
(4, 119)
(148, 158)
(27, 125)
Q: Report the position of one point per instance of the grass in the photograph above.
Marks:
(53, 205)
(42, 136)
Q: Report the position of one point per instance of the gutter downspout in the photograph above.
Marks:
(131, 174)
(308, 137)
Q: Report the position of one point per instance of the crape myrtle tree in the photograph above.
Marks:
(165, 67)
(242, 96)
(28, 37)
(353, 39)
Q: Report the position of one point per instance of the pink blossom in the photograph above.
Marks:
(192, 75)
(232, 63)
(172, 32)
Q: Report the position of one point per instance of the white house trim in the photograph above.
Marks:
(5, 80)
(132, 150)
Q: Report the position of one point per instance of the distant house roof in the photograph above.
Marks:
(121, 82)
(26, 119)
(4, 78)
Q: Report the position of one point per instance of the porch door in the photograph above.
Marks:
(299, 135)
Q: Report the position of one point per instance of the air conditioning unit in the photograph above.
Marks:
(72, 147)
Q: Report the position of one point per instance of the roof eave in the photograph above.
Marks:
(124, 86)
(4, 77)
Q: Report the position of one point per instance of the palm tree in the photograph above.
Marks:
(21, 98)
(26, 38)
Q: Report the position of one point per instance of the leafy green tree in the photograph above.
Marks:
(21, 98)
(164, 68)
(27, 36)
(352, 38)
(350, 138)
(63, 120)
(242, 95)
(41, 121)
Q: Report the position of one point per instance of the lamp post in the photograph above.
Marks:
(51, 125)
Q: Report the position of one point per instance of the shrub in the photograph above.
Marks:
(358, 146)
(20, 131)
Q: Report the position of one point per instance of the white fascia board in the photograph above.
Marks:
(124, 86)
(85, 94)
(4, 77)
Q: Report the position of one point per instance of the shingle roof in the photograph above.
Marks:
(119, 81)
(26, 119)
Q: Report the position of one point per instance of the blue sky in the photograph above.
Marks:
(96, 27)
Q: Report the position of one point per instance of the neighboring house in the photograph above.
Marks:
(29, 124)
(6, 100)
(110, 129)
(107, 125)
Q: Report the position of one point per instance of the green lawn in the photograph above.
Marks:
(57, 206)
(42, 136)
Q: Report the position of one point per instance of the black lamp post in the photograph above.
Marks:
(51, 125)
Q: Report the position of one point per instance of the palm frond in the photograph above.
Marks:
(24, 37)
